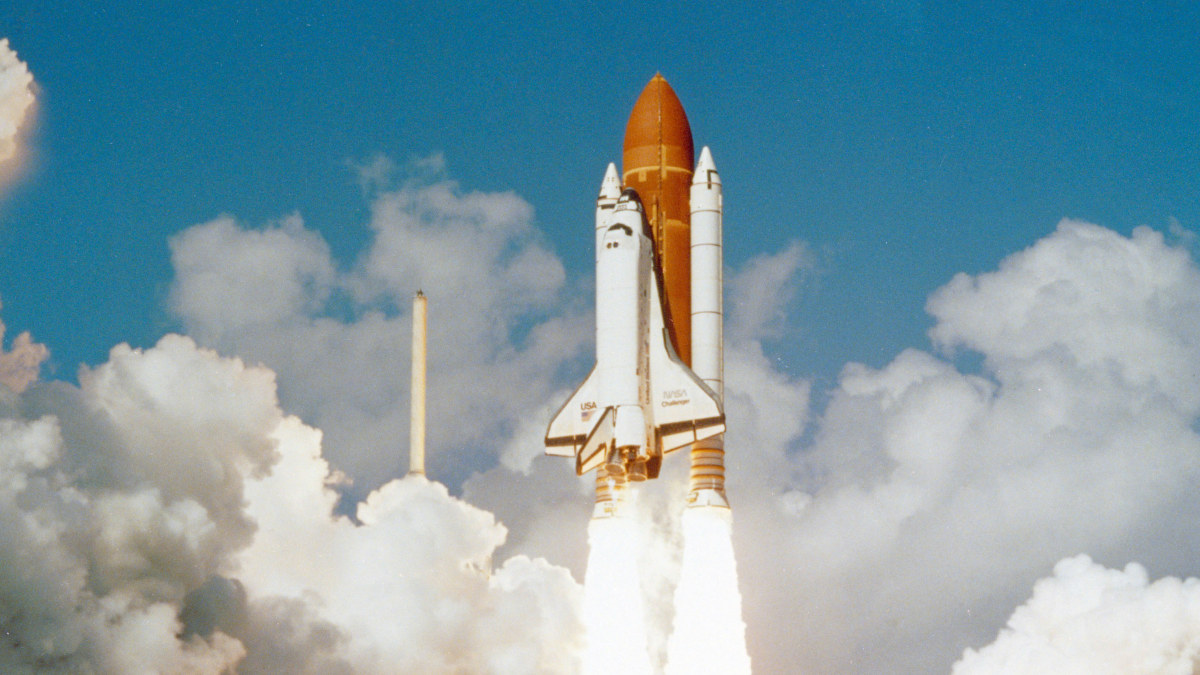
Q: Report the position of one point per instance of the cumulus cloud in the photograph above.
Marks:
(1126, 306)
(99, 555)
(1088, 619)
(929, 499)
(758, 295)
(263, 277)
(20, 365)
(16, 99)
(767, 409)
(339, 337)
(410, 586)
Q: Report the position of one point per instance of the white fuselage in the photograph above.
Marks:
(622, 303)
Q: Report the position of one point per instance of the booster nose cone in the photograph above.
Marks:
(706, 170)
(610, 187)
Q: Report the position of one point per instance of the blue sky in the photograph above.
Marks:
(902, 142)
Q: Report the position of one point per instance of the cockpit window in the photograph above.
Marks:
(618, 226)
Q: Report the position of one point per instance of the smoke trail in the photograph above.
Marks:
(709, 636)
(613, 614)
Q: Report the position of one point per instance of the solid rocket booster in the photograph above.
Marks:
(708, 356)
(416, 427)
(706, 484)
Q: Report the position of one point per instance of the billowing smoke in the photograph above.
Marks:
(1088, 619)
(166, 516)
(930, 499)
(411, 585)
(118, 498)
(498, 334)
(901, 528)
(16, 100)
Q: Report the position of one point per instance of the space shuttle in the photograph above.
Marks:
(640, 401)
(657, 385)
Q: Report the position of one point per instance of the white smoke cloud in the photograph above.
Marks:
(918, 480)
(1126, 307)
(116, 498)
(165, 516)
(929, 498)
(263, 277)
(16, 99)
(767, 409)
(412, 584)
(757, 297)
(1088, 619)
(340, 340)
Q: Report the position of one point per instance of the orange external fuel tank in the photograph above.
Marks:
(657, 162)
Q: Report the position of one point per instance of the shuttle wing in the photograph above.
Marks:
(593, 452)
(575, 421)
(683, 409)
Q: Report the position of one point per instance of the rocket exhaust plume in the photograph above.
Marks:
(613, 612)
(416, 429)
(709, 635)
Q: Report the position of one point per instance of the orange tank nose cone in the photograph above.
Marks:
(658, 129)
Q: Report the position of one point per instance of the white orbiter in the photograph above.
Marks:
(640, 400)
